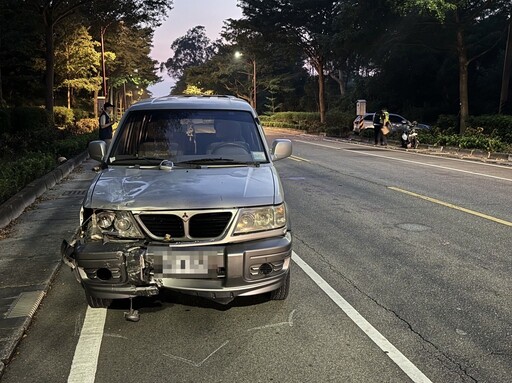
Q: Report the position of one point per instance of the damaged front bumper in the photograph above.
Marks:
(116, 270)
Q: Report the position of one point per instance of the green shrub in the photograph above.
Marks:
(447, 122)
(86, 125)
(472, 139)
(299, 118)
(15, 175)
(279, 124)
(80, 114)
(73, 146)
(498, 126)
(32, 129)
(30, 119)
(63, 117)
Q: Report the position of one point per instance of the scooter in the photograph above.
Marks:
(409, 137)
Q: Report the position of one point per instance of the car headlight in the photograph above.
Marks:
(113, 223)
(261, 219)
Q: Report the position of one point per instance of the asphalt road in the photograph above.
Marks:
(402, 273)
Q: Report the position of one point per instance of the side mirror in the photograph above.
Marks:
(281, 148)
(97, 150)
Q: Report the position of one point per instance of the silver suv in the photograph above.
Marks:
(187, 198)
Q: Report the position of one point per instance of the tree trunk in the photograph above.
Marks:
(339, 80)
(96, 112)
(2, 101)
(319, 66)
(507, 67)
(463, 76)
(69, 97)
(49, 58)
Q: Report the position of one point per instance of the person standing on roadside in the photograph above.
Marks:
(380, 120)
(106, 123)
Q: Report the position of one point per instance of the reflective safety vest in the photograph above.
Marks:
(384, 118)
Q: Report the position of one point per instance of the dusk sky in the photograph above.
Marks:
(185, 15)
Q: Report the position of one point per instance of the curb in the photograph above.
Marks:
(465, 153)
(14, 206)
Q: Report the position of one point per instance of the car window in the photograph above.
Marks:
(181, 135)
(396, 119)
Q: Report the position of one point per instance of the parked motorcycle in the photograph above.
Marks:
(409, 136)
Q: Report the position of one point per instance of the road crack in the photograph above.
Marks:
(445, 356)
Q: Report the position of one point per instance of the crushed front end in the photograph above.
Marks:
(218, 254)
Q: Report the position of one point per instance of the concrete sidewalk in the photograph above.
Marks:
(30, 245)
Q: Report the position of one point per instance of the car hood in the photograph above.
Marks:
(123, 188)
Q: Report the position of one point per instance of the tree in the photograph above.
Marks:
(307, 24)
(465, 17)
(133, 69)
(77, 62)
(21, 54)
(507, 68)
(54, 12)
(193, 49)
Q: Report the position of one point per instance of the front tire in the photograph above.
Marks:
(281, 293)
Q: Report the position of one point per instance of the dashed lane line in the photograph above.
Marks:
(452, 206)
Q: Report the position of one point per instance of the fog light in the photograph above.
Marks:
(104, 274)
(266, 268)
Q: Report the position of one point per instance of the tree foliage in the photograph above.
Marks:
(420, 58)
(466, 19)
(193, 49)
(54, 13)
(77, 62)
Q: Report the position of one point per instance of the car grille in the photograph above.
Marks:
(199, 226)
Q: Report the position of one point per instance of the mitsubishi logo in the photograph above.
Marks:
(185, 217)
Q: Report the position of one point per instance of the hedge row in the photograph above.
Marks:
(336, 123)
(495, 126)
(31, 143)
(488, 132)
(14, 176)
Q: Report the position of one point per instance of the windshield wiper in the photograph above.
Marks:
(199, 161)
(138, 160)
(218, 161)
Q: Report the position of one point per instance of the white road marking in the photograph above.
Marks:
(322, 145)
(414, 162)
(297, 158)
(391, 351)
(85, 360)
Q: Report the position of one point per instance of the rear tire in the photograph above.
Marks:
(281, 293)
(97, 303)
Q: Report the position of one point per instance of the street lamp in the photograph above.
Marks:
(238, 55)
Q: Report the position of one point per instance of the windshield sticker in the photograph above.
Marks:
(258, 156)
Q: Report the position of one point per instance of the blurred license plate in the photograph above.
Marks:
(187, 263)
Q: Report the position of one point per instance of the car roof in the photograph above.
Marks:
(216, 102)
(391, 114)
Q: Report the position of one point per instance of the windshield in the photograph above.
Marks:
(185, 136)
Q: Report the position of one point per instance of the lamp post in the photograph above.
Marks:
(254, 89)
